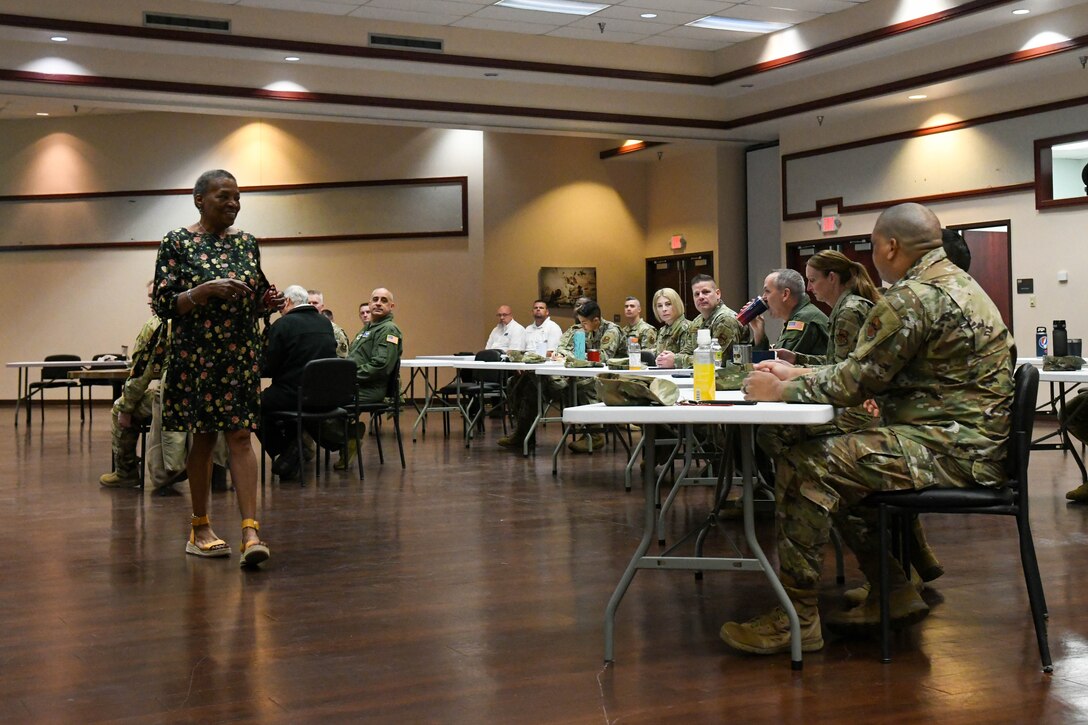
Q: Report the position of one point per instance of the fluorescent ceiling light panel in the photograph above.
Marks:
(567, 7)
(715, 22)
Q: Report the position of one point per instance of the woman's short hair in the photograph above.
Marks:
(672, 296)
(200, 188)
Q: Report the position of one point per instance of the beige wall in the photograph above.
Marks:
(551, 202)
(91, 301)
(534, 201)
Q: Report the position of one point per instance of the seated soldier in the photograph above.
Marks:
(937, 358)
(376, 351)
(805, 329)
(714, 315)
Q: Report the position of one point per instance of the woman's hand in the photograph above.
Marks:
(224, 288)
(273, 299)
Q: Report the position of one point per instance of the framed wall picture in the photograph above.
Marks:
(562, 286)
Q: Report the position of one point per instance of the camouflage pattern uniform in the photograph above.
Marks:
(723, 327)
(806, 330)
(341, 340)
(608, 339)
(673, 337)
(847, 317)
(643, 330)
(136, 399)
(938, 359)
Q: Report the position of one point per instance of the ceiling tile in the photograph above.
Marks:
(380, 13)
(775, 15)
(474, 21)
(609, 35)
(305, 6)
(675, 41)
(812, 6)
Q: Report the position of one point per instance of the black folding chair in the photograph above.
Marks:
(327, 392)
(90, 383)
(389, 406)
(897, 508)
(56, 378)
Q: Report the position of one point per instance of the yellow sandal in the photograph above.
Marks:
(212, 548)
(255, 552)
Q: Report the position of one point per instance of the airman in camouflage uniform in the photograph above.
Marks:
(673, 337)
(635, 326)
(937, 358)
(715, 316)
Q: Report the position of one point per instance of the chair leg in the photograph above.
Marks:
(1036, 598)
(836, 541)
(302, 457)
(400, 443)
(358, 446)
(885, 584)
(378, 438)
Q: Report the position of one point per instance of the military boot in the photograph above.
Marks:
(581, 445)
(769, 633)
(858, 595)
(1078, 494)
(120, 479)
(922, 557)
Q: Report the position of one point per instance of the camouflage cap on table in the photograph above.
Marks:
(615, 389)
(729, 377)
(533, 359)
(1062, 362)
(617, 363)
(571, 362)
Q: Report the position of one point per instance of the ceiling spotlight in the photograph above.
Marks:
(1021, 11)
(648, 16)
(41, 113)
(292, 59)
(917, 97)
(59, 39)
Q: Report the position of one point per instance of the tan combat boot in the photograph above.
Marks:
(769, 633)
(922, 558)
(907, 607)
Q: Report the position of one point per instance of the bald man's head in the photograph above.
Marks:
(901, 235)
(381, 304)
(916, 228)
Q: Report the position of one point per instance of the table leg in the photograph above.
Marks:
(567, 428)
(747, 466)
(648, 485)
(1068, 444)
(429, 391)
(538, 380)
(20, 393)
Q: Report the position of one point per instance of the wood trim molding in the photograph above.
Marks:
(295, 46)
(884, 204)
(461, 181)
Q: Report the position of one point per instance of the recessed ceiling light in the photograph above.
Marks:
(917, 97)
(41, 113)
(567, 7)
(648, 15)
(292, 58)
(1021, 11)
(715, 22)
(59, 39)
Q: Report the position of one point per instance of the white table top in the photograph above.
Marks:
(1064, 376)
(445, 357)
(760, 413)
(426, 363)
(65, 363)
(559, 369)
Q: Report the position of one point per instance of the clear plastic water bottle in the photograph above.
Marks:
(716, 350)
(634, 354)
(703, 364)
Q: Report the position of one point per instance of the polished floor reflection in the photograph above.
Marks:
(470, 588)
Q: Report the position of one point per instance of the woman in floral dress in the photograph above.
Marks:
(209, 283)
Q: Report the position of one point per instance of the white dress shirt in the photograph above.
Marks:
(546, 333)
(510, 336)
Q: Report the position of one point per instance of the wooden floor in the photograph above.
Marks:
(470, 588)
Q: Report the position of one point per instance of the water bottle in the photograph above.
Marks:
(634, 354)
(716, 350)
(1058, 344)
(579, 344)
(703, 364)
(1040, 342)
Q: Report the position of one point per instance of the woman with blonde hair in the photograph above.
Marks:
(846, 287)
(675, 328)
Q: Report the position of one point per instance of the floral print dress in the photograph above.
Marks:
(213, 366)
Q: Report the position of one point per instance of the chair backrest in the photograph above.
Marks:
(110, 356)
(392, 387)
(1022, 423)
(327, 383)
(59, 373)
(648, 358)
(488, 376)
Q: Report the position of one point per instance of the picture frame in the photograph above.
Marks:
(562, 286)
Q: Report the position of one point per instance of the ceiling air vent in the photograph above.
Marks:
(402, 42)
(186, 22)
